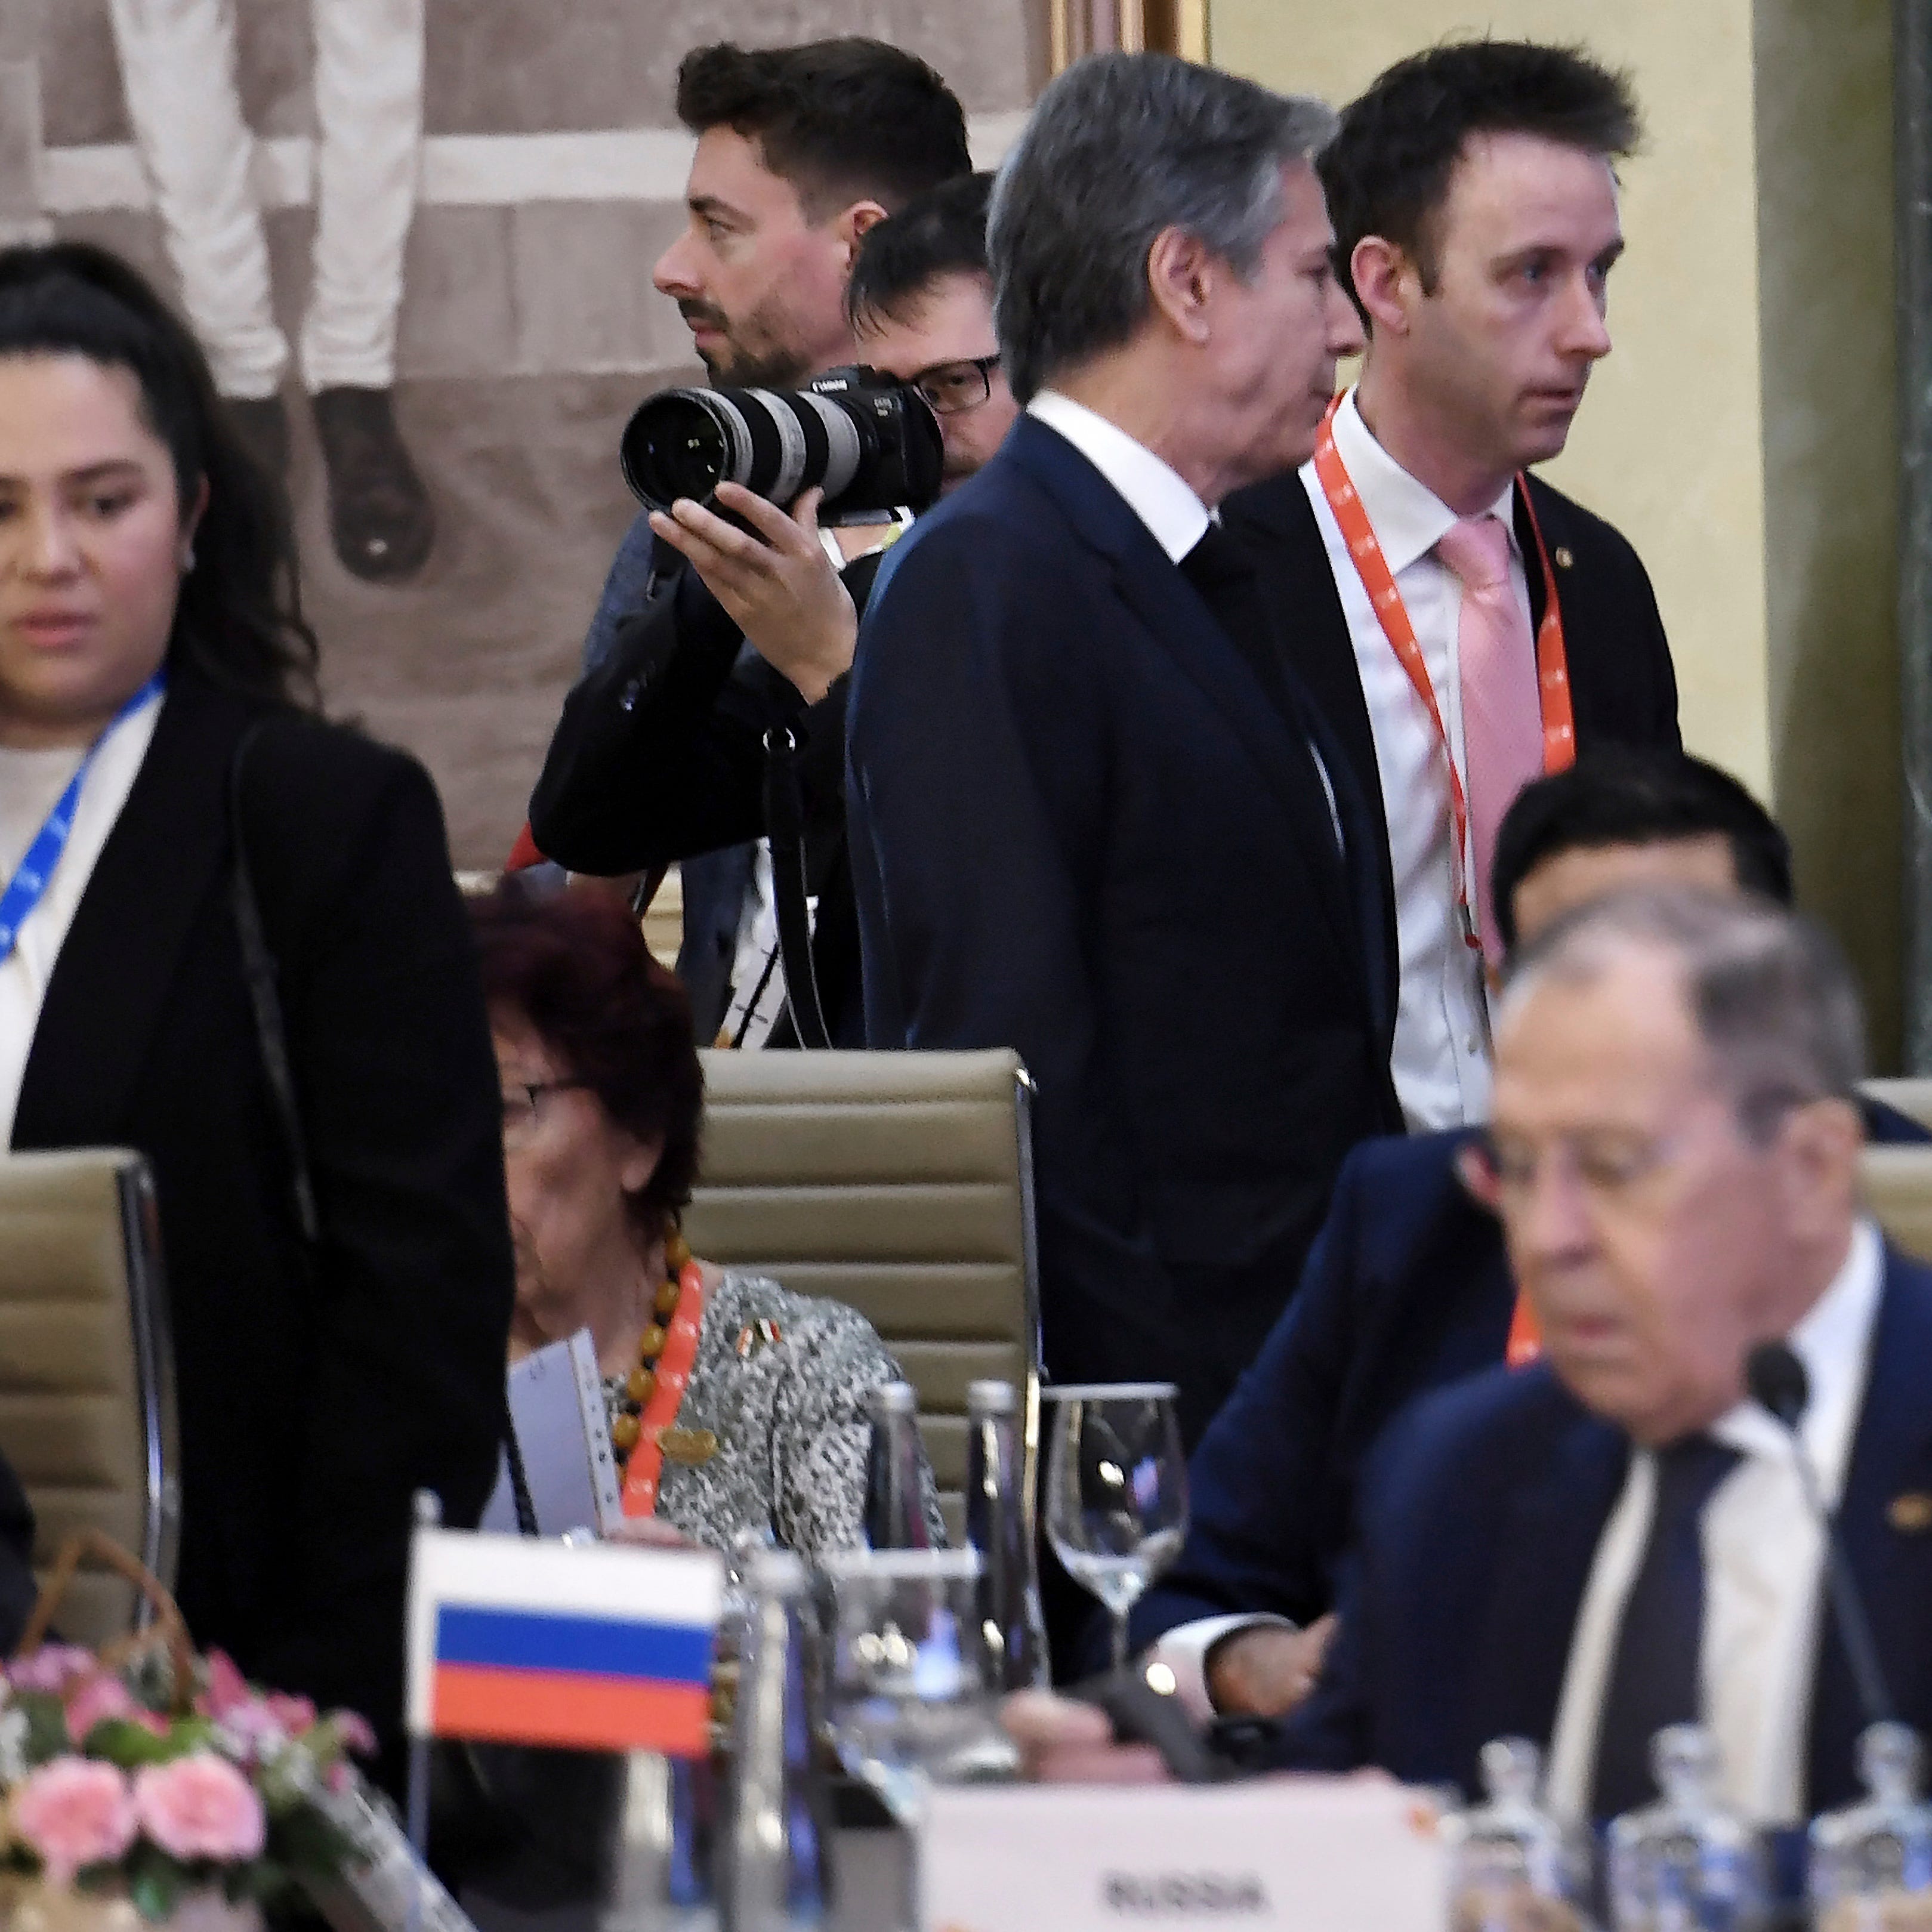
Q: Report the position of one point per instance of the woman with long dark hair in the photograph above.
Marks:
(230, 938)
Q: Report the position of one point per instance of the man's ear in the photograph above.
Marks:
(850, 224)
(1821, 1143)
(1386, 283)
(1181, 271)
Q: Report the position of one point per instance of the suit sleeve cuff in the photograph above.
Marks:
(1184, 1650)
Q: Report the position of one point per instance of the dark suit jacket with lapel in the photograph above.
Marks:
(659, 757)
(1407, 1288)
(1621, 684)
(1081, 828)
(1480, 1521)
(310, 1413)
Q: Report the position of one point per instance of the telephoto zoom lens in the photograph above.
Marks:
(870, 443)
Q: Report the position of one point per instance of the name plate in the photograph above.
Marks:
(1303, 1854)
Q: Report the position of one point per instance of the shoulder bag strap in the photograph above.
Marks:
(259, 970)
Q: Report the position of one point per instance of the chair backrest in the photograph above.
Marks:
(901, 1183)
(1897, 1182)
(87, 1411)
(1912, 1098)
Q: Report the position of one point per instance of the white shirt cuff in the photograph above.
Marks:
(1184, 1650)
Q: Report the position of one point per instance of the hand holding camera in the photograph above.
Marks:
(776, 583)
(854, 439)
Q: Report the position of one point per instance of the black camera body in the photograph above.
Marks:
(872, 444)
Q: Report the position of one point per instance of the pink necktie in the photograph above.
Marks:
(1502, 723)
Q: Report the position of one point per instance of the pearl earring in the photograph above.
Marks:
(187, 559)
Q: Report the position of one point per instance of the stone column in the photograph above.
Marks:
(1912, 139)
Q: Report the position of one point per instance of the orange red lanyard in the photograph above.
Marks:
(1553, 662)
(641, 1474)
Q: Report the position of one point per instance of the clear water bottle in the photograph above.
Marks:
(895, 1502)
(1868, 1859)
(773, 1879)
(1513, 1866)
(1687, 1863)
(1015, 1632)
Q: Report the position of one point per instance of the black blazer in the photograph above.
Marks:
(1480, 1521)
(660, 756)
(1621, 683)
(1081, 828)
(310, 1413)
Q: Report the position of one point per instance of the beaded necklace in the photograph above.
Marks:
(625, 1396)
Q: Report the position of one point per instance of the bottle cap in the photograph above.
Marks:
(991, 1397)
(893, 1399)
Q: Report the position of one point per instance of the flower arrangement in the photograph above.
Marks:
(129, 1784)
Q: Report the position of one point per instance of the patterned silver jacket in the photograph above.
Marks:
(790, 1418)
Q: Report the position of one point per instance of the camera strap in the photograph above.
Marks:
(784, 825)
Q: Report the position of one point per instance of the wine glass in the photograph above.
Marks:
(914, 1695)
(1116, 1490)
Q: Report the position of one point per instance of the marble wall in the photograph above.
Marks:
(551, 179)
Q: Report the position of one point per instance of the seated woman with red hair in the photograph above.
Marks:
(737, 1405)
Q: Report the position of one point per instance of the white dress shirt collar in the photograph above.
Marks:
(1763, 1565)
(1408, 518)
(1833, 1341)
(1153, 490)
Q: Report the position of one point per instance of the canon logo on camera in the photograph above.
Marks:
(1175, 1895)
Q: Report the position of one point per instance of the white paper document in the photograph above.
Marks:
(556, 1408)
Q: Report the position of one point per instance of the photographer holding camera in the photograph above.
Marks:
(711, 707)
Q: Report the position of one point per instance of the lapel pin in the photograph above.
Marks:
(1910, 1514)
(1564, 559)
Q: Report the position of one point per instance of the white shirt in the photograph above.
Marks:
(1441, 1059)
(1763, 1569)
(1153, 489)
(30, 784)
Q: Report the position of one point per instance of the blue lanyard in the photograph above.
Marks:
(28, 885)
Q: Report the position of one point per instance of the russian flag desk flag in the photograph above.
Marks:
(595, 1647)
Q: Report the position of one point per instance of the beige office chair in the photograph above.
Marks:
(1897, 1186)
(87, 1413)
(1912, 1098)
(901, 1183)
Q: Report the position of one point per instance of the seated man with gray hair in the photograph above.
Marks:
(1617, 1539)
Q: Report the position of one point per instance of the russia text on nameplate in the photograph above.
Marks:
(1302, 1854)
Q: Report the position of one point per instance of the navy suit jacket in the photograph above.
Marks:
(1081, 827)
(1407, 1288)
(1479, 1520)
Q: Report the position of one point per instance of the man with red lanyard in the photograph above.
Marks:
(1465, 626)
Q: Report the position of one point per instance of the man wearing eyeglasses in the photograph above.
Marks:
(711, 707)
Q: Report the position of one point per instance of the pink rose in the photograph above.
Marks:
(74, 1812)
(200, 1807)
(294, 1714)
(51, 1668)
(98, 1699)
(226, 1686)
(355, 1731)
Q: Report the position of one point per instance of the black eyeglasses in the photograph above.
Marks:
(952, 389)
(519, 1106)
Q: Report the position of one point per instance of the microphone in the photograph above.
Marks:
(1777, 1382)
